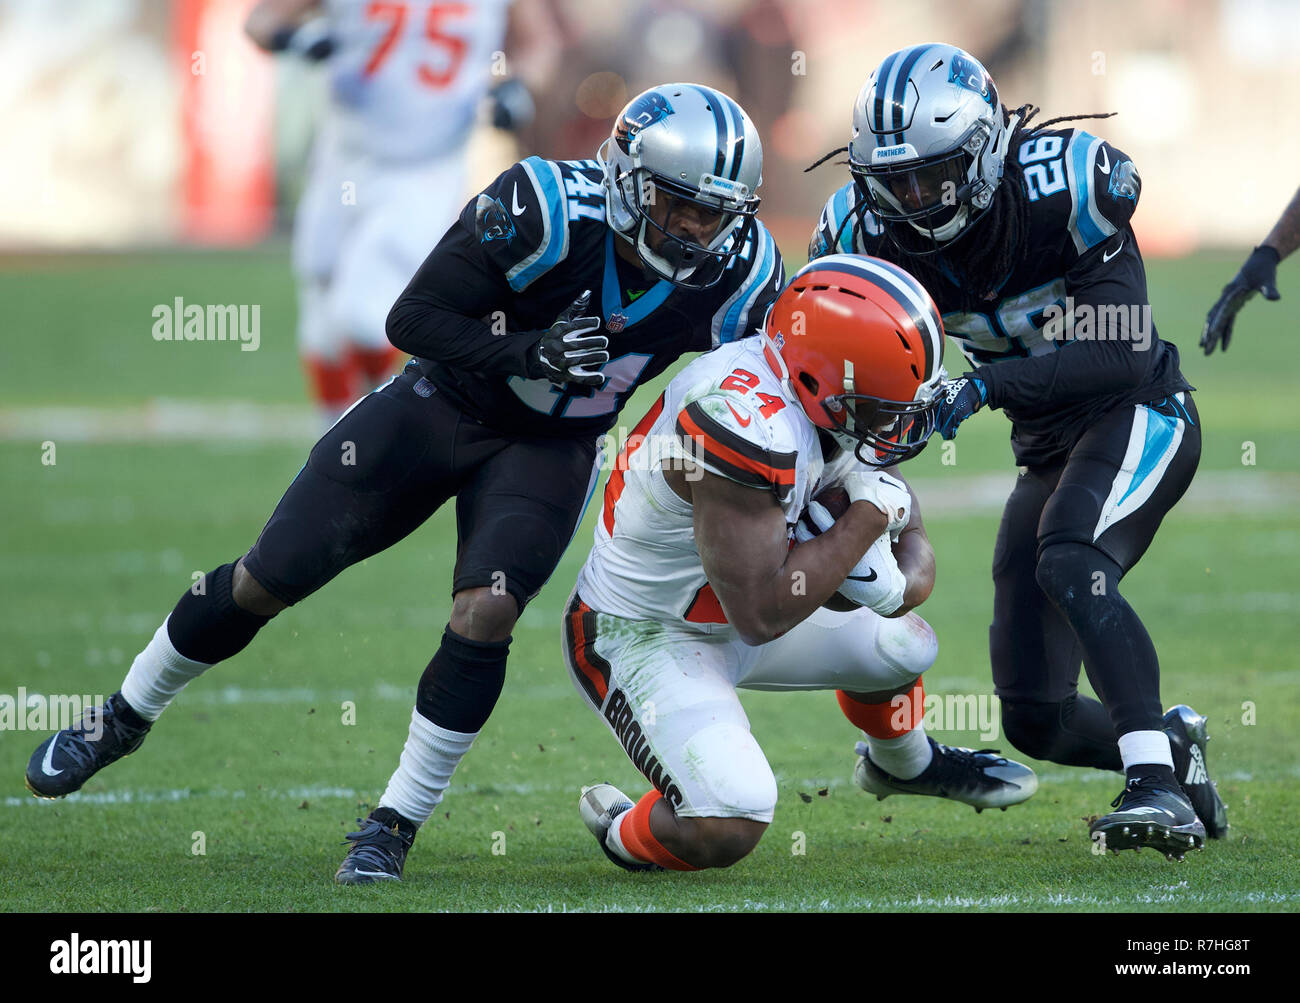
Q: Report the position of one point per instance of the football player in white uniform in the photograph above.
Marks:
(388, 167)
(703, 579)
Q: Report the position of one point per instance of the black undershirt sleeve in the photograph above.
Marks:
(445, 313)
(1116, 357)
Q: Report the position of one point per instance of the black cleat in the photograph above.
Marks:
(68, 758)
(378, 850)
(599, 805)
(980, 778)
(1149, 814)
(1187, 738)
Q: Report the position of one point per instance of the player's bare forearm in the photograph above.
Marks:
(764, 587)
(915, 557)
(269, 17)
(1285, 235)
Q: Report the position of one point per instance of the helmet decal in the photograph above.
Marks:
(646, 110)
(969, 74)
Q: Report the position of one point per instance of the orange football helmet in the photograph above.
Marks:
(859, 342)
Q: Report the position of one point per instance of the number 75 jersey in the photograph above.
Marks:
(727, 413)
(406, 76)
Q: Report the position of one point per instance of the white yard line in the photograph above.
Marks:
(1018, 902)
(162, 420)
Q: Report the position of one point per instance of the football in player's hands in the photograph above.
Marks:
(834, 501)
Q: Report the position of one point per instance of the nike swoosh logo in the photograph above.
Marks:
(744, 422)
(515, 207)
(864, 578)
(632, 297)
(47, 762)
(1107, 257)
(1104, 166)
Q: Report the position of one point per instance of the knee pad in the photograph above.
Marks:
(209, 626)
(462, 682)
(908, 646)
(1067, 572)
(1033, 728)
(733, 772)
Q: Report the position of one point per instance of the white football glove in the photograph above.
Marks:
(876, 581)
(886, 493)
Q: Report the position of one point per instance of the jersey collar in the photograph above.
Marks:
(611, 294)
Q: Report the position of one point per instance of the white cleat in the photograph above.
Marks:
(599, 805)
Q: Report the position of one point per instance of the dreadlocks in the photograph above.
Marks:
(982, 258)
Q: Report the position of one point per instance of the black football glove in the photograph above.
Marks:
(570, 351)
(961, 399)
(1257, 275)
(512, 106)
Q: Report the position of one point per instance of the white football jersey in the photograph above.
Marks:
(406, 76)
(727, 412)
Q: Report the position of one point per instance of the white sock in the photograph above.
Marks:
(905, 757)
(157, 675)
(1141, 747)
(614, 840)
(429, 758)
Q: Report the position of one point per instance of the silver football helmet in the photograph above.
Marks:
(929, 142)
(683, 151)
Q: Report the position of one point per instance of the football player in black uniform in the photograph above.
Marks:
(562, 287)
(1021, 234)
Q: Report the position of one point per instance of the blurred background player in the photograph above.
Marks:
(1257, 275)
(694, 587)
(1008, 225)
(388, 167)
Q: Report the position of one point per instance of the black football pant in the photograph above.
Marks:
(392, 461)
(1069, 533)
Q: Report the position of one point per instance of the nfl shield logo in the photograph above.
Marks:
(616, 322)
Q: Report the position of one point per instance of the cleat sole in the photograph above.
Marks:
(1173, 842)
(40, 794)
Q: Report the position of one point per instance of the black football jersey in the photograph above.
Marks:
(521, 252)
(1052, 377)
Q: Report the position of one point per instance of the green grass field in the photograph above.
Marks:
(254, 765)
